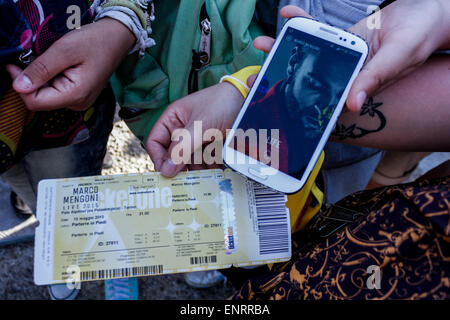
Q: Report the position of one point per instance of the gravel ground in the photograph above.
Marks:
(16, 282)
(126, 151)
(16, 261)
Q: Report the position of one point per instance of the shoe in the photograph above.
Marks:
(107, 161)
(20, 207)
(204, 279)
(122, 289)
(4, 234)
(22, 231)
(62, 292)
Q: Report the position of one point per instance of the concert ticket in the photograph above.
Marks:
(108, 227)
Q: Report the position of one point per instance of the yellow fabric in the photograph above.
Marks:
(242, 75)
(300, 215)
(13, 117)
(299, 203)
(245, 73)
(238, 84)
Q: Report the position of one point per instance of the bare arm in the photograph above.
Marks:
(411, 115)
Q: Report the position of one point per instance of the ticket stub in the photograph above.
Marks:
(133, 225)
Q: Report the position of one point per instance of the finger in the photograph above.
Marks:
(263, 43)
(44, 68)
(170, 169)
(45, 98)
(291, 11)
(65, 91)
(185, 142)
(157, 144)
(162, 140)
(387, 65)
(361, 30)
(157, 153)
(251, 80)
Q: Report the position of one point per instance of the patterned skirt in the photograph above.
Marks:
(389, 243)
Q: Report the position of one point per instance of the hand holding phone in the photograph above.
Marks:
(294, 104)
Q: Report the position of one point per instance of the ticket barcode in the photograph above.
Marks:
(203, 260)
(121, 272)
(272, 220)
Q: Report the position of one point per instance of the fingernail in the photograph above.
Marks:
(361, 99)
(23, 82)
(169, 168)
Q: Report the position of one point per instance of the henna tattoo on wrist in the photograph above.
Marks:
(353, 131)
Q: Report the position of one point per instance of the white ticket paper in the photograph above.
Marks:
(132, 225)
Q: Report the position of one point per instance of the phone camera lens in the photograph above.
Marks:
(353, 42)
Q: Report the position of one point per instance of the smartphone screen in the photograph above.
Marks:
(295, 100)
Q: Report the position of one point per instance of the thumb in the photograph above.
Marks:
(389, 64)
(41, 70)
(185, 142)
(291, 11)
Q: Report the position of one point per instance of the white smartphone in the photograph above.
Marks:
(294, 104)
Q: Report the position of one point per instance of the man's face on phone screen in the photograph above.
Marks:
(314, 83)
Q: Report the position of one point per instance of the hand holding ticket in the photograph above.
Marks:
(144, 224)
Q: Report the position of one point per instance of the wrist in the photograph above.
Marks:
(121, 34)
(233, 93)
(136, 15)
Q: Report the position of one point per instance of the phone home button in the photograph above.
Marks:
(257, 174)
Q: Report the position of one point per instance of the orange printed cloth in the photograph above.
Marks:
(390, 243)
(13, 117)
